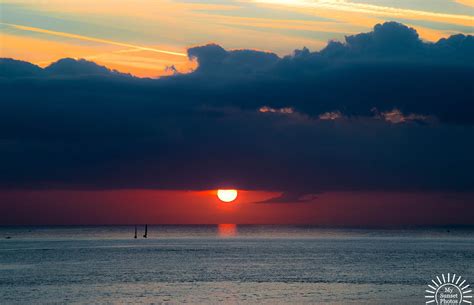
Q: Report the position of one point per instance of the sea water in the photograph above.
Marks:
(228, 264)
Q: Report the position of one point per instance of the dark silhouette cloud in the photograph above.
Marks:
(389, 68)
(290, 197)
(81, 67)
(10, 68)
(65, 67)
(381, 111)
(214, 60)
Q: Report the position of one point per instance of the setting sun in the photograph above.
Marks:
(227, 195)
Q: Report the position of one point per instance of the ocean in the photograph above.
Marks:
(228, 264)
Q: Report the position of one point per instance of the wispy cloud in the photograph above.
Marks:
(466, 2)
(371, 9)
(93, 39)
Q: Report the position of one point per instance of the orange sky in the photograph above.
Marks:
(144, 38)
(203, 207)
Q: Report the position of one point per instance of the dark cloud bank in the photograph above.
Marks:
(381, 111)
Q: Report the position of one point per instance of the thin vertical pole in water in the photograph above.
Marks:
(146, 231)
(135, 232)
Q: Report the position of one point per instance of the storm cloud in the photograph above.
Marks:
(381, 111)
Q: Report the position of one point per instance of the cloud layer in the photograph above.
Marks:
(382, 111)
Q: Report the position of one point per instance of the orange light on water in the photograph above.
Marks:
(227, 230)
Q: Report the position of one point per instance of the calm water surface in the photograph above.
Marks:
(227, 264)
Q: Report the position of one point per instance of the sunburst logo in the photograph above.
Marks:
(448, 290)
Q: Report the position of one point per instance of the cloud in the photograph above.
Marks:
(66, 67)
(395, 116)
(88, 38)
(390, 39)
(250, 120)
(291, 198)
(372, 9)
(387, 68)
(331, 115)
(465, 2)
(286, 110)
(11, 68)
(214, 60)
(81, 67)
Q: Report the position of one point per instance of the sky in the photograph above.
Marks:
(145, 37)
(334, 113)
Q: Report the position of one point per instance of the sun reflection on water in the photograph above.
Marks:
(227, 230)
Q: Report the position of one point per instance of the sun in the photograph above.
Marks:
(227, 195)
